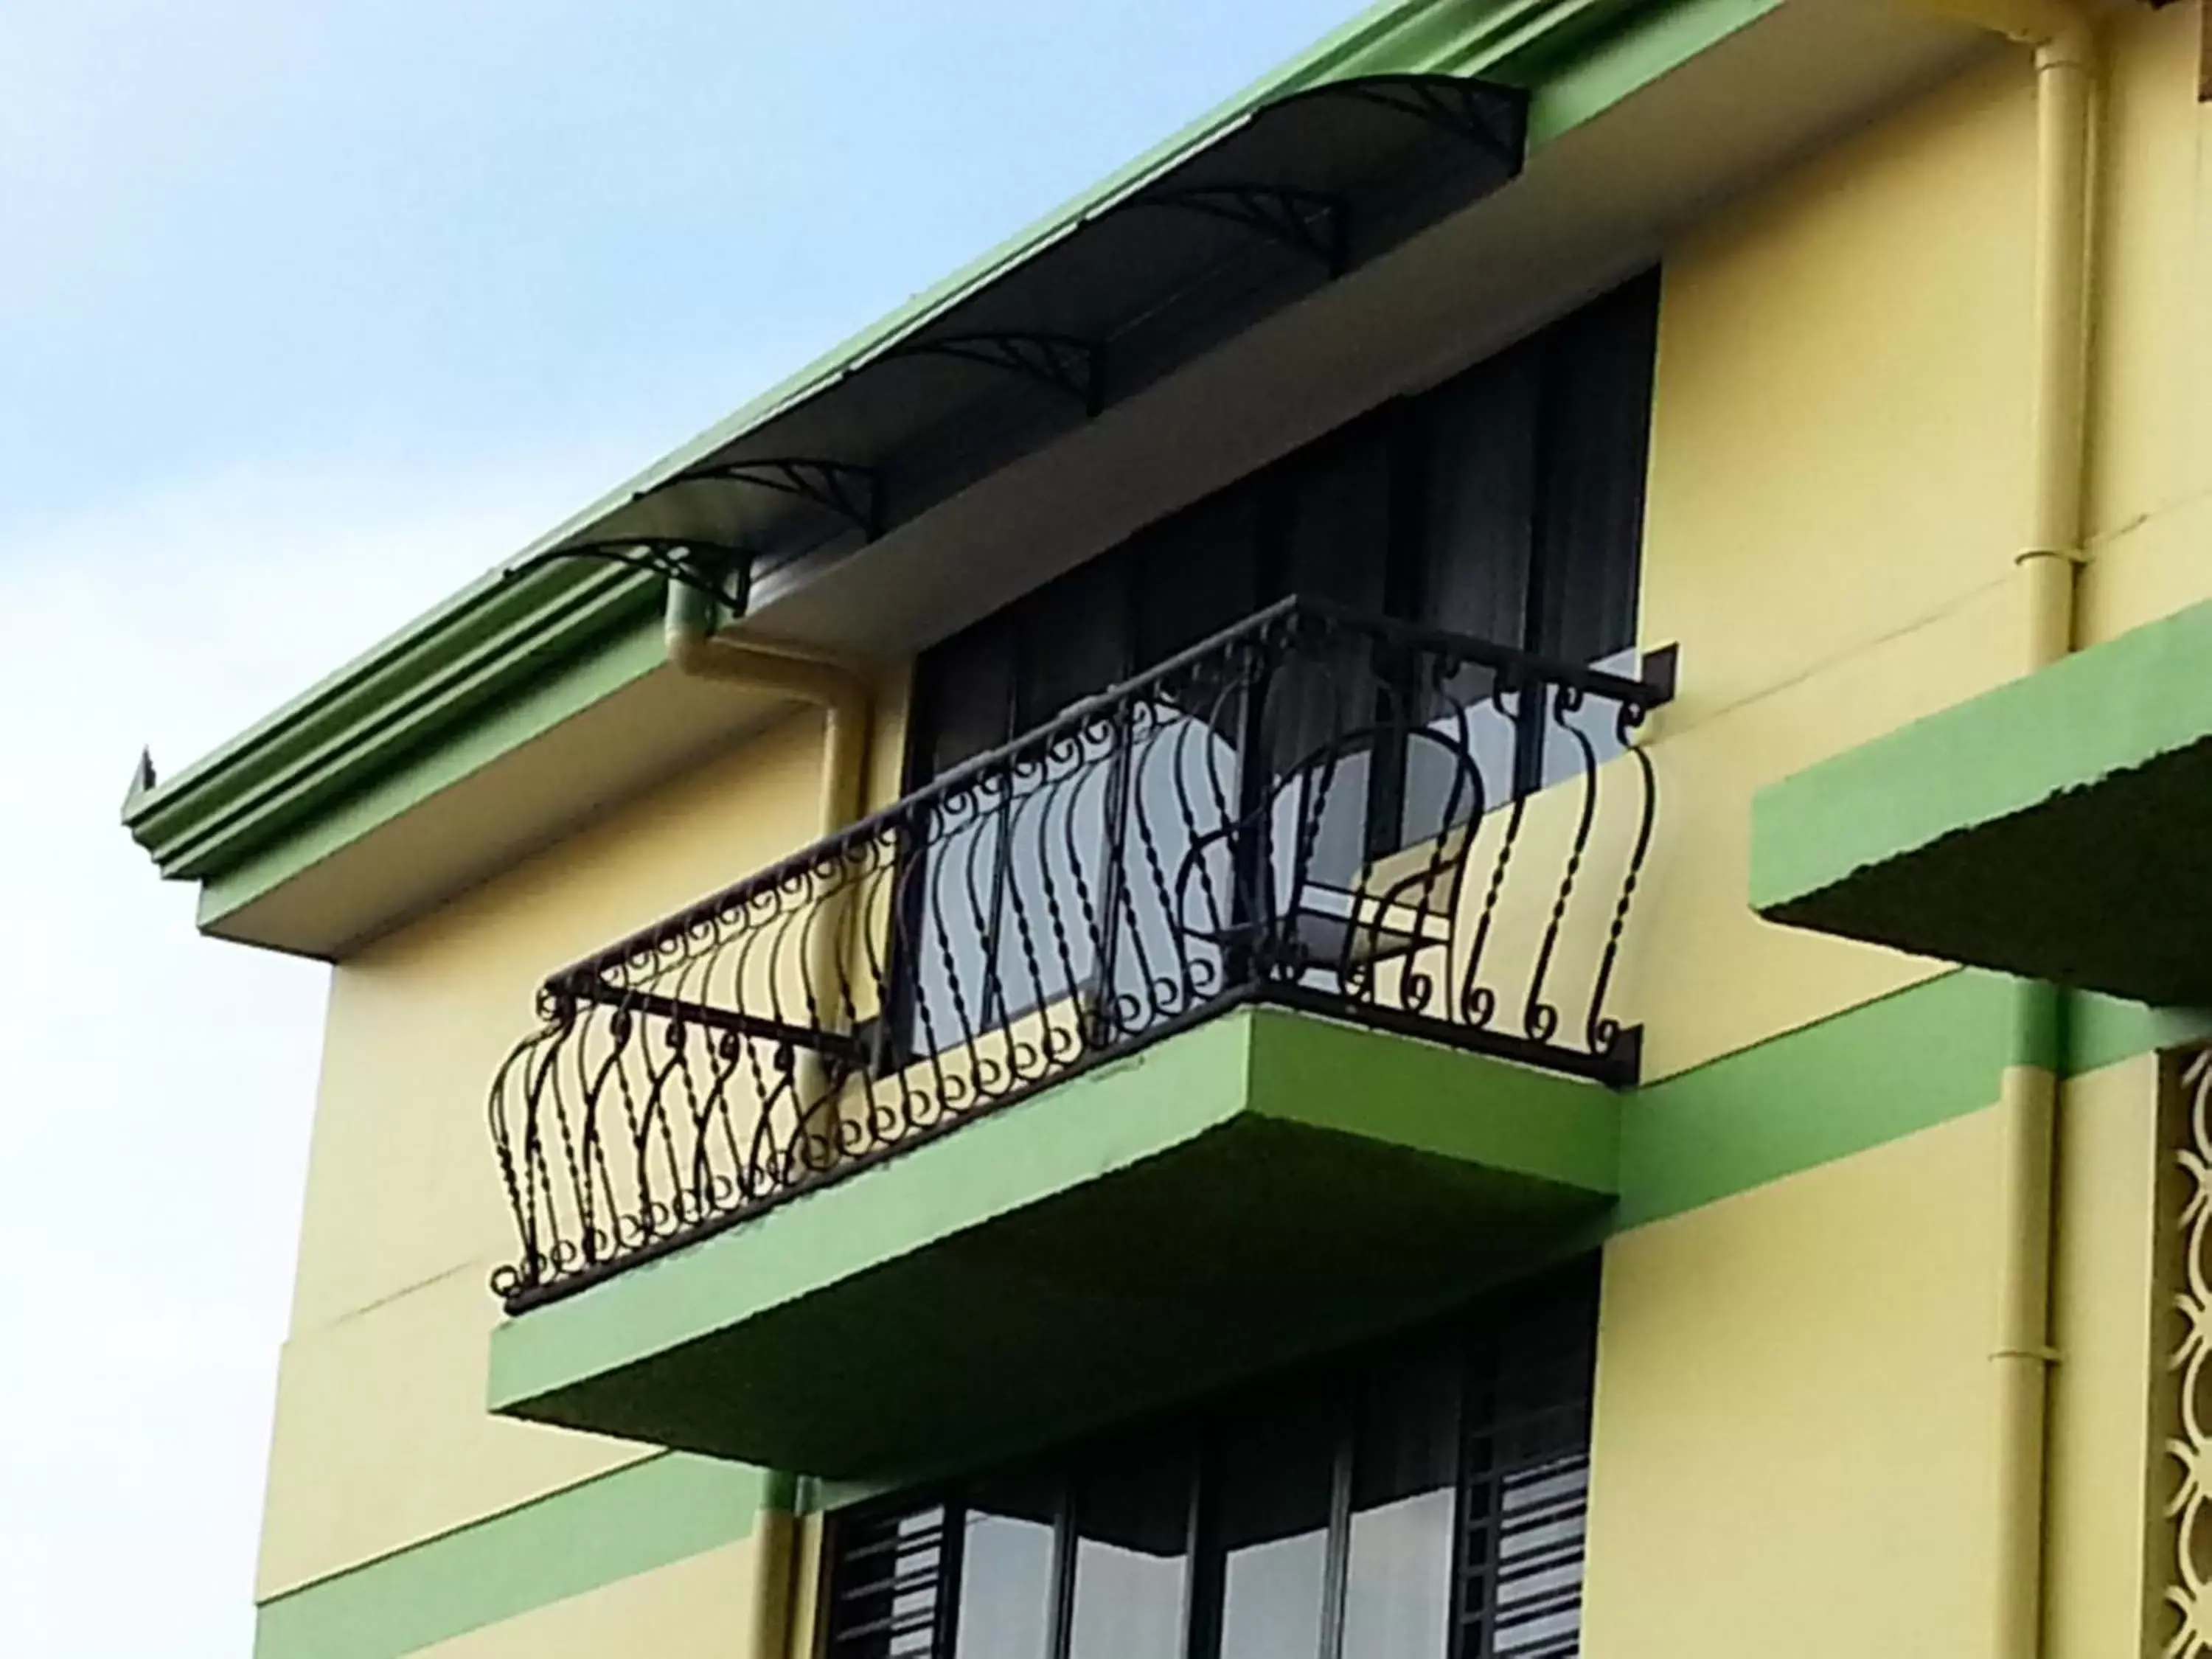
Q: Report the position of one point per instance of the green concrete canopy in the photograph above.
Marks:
(2059, 827)
(1263, 1188)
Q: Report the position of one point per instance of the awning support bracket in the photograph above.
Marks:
(852, 492)
(722, 573)
(1059, 362)
(1470, 109)
(1304, 221)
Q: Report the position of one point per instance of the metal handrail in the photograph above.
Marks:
(1315, 807)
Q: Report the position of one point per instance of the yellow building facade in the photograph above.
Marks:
(1812, 1185)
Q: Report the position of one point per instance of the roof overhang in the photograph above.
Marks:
(1285, 198)
(1035, 409)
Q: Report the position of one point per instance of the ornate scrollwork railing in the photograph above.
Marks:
(1315, 808)
(2187, 1403)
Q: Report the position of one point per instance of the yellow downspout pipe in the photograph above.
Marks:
(2065, 82)
(2022, 1356)
(2062, 33)
(696, 650)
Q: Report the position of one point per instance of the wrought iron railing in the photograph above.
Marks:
(1315, 808)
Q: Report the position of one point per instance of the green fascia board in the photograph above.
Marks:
(1843, 1085)
(460, 665)
(2052, 827)
(1261, 1187)
(1576, 76)
(511, 706)
(643, 1516)
(256, 799)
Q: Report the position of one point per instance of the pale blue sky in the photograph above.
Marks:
(309, 312)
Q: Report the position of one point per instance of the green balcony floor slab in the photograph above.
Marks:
(1261, 1187)
(2059, 827)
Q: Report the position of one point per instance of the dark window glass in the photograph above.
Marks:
(1334, 504)
(1425, 1500)
(1595, 440)
(1405, 1478)
(965, 698)
(1479, 470)
(1196, 574)
(1072, 641)
(1004, 1603)
(1478, 495)
(1506, 504)
(1276, 1474)
(1132, 1520)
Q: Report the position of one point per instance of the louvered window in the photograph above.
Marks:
(1423, 1499)
(886, 1595)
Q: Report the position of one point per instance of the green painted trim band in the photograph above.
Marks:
(1861, 1077)
(1849, 1083)
(424, 708)
(646, 1515)
(458, 665)
(512, 716)
(1644, 45)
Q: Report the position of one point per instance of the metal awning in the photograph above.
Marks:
(1265, 211)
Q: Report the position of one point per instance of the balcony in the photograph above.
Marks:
(2050, 827)
(1299, 950)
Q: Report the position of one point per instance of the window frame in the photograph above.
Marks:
(1544, 1326)
(1406, 426)
(1263, 504)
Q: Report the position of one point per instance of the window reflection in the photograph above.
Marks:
(1397, 1600)
(1277, 1468)
(1427, 1494)
(1132, 1552)
(1005, 1569)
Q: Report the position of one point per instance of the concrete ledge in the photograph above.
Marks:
(1264, 1187)
(2057, 827)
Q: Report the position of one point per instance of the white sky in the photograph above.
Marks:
(309, 312)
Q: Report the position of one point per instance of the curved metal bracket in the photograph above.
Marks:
(1059, 362)
(1304, 221)
(1492, 118)
(853, 493)
(723, 573)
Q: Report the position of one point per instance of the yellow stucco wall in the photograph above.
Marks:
(2118, 1250)
(1793, 1412)
(381, 1439)
(1793, 1432)
(1838, 480)
(1793, 1391)
(1836, 489)
(1838, 461)
(2150, 497)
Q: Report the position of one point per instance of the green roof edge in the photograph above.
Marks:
(500, 636)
